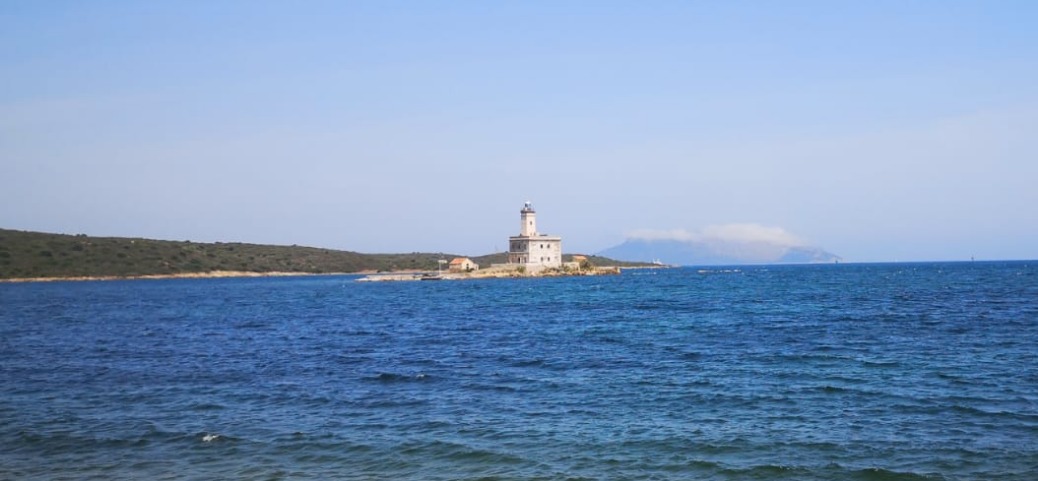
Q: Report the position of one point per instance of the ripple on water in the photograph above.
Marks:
(922, 372)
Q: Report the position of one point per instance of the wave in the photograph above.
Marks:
(767, 472)
(462, 453)
(879, 364)
(880, 474)
(108, 439)
(771, 472)
(503, 388)
(534, 362)
(390, 377)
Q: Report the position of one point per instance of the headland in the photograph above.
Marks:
(37, 256)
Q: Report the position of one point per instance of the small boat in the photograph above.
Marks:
(438, 276)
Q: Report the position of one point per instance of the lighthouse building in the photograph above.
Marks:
(532, 249)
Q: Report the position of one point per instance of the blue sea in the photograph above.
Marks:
(829, 372)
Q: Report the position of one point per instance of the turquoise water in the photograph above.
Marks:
(859, 372)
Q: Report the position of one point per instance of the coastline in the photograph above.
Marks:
(508, 272)
(184, 275)
(370, 275)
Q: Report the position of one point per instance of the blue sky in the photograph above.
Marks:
(888, 130)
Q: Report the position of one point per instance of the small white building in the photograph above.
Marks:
(462, 264)
(532, 249)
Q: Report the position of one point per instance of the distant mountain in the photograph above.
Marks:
(808, 255)
(715, 251)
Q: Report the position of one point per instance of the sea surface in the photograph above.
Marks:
(827, 372)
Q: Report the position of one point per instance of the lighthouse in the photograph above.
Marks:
(531, 249)
(527, 221)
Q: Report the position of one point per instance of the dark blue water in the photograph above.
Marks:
(836, 372)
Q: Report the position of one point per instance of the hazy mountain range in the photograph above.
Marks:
(729, 244)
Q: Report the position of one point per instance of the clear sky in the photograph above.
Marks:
(879, 130)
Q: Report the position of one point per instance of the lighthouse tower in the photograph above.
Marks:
(531, 249)
(528, 221)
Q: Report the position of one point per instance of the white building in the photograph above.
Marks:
(531, 248)
(462, 264)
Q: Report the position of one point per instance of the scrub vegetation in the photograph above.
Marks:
(41, 255)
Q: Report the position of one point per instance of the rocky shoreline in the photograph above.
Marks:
(509, 272)
(185, 275)
(369, 276)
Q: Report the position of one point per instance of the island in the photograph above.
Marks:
(40, 256)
